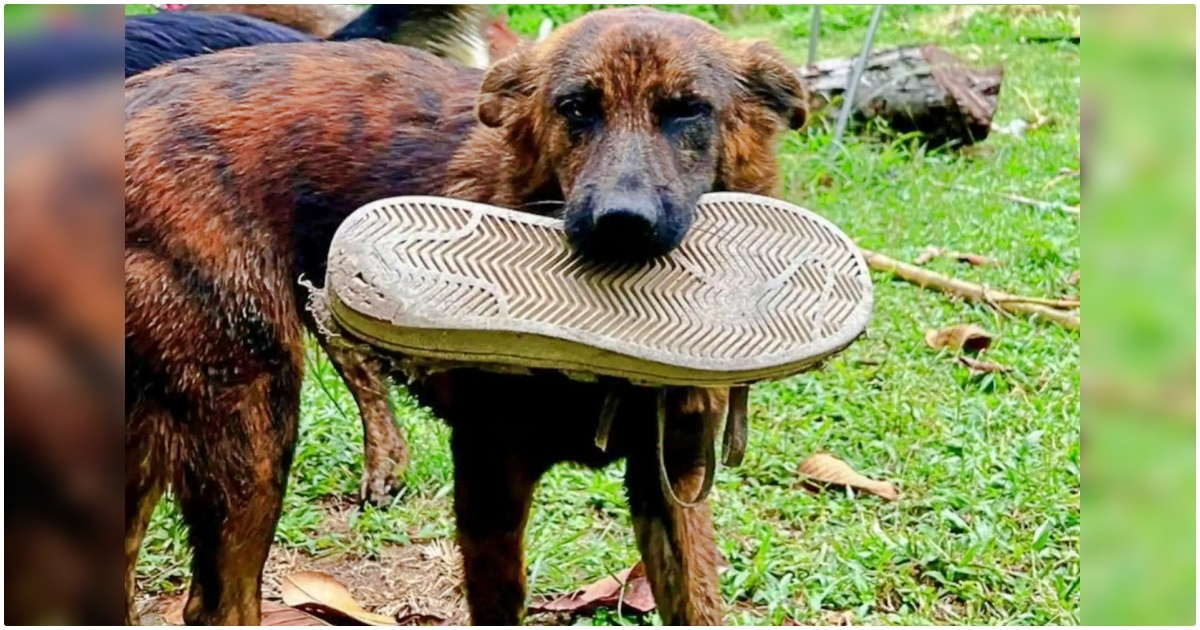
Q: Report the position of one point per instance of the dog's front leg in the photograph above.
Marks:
(677, 542)
(493, 487)
(385, 450)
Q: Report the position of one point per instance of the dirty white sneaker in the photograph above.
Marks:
(759, 289)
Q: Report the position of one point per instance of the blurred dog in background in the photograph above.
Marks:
(65, 302)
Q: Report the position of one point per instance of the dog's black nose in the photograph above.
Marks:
(630, 216)
(624, 227)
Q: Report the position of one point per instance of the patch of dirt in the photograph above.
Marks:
(422, 582)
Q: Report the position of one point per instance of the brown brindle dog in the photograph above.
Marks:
(239, 167)
(63, 356)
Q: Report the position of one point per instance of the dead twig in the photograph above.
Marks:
(1042, 205)
(1063, 175)
(1025, 201)
(1004, 302)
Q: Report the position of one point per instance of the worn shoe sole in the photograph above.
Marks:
(760, 289)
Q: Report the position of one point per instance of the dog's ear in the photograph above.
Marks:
(772, 82)
(504, 83)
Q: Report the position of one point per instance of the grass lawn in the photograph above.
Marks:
(987, 527)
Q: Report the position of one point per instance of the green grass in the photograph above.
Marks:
(987, 529)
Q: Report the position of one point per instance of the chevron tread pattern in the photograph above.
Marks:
(755, 280)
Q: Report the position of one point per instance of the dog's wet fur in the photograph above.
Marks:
(449, 31)
(239, 167)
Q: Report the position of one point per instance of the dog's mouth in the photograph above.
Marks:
(623, 228)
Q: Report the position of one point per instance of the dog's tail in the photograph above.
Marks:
(454, 31)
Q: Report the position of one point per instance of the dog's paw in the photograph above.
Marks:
(383, 476)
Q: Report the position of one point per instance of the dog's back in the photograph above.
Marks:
(390, 118)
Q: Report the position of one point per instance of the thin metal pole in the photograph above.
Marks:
(814, 33)
(855, 76)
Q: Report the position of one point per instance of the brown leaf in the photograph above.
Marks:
(839, 617)
(274, 614)
(172, 609)
(630, 589)
(928, 254)
(1073, 279)
(825, 468)
(976, 260)
(321, 594)
(968, 337)
(983, 367)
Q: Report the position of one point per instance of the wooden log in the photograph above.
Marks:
(1013, 304)
(922, 89)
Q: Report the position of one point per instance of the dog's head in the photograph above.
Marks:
(633, 113)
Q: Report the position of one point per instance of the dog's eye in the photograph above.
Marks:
(683, 110)
(579, 111)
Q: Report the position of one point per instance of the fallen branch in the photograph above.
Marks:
(1025, 201)
(1007, 302)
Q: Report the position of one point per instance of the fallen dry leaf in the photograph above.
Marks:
(976, 260)
(839, 617)
(983, 367)
(1073, 279)
(321, 594)
(274, 614)
(172, 609)
(629, 588)
(825, 468)
(967, 337)
(928, 254)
